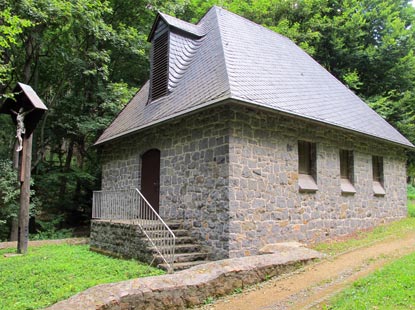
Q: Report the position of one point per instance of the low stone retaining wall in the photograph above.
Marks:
(188, 287)
(120, 239)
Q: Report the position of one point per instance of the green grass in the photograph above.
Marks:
(395, 229)
(51, 273)
(391, 287)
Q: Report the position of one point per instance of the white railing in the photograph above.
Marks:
(131, 205)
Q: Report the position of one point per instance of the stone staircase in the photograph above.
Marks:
(188, 252)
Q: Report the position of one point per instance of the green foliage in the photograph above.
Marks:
(411, 192)
(52, 234)
(411, 209)
(388, 288)
(411, 201)
(85, 63)
(50, 230)
(86, 59)
(9, 194)
(209, 300)
(11, 26)
(395, 229)
(9, 198)
(237, 290)
(51, 273)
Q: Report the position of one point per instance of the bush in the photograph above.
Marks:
(9, 198)
(49, 230)
(411, 209)
(9, 194)
(411, 192)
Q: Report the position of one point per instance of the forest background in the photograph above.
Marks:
(87, 58)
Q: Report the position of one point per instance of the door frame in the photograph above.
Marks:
(151, 191)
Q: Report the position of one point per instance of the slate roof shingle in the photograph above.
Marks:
(234, 58)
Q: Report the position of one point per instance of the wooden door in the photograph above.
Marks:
(150, 177)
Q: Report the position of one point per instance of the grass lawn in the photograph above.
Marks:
(51, 273)
(391, 287)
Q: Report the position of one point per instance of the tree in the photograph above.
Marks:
(85, 59)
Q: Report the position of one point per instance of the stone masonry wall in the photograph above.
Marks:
(116, 238)
(255, 153)
(194, 169)
(265, 203)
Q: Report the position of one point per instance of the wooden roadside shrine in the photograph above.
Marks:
(26, 110)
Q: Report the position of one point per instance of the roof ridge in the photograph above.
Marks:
(253, 23)
(176, 18)
(194, 29)
(223, 50)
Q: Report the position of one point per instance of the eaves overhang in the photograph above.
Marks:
(241, 101)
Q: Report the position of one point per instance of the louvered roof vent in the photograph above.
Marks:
(159, 66)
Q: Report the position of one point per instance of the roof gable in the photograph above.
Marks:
(176, 25)
(226, 56)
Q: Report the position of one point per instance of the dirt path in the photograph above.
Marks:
(311, 286)
(13, 244)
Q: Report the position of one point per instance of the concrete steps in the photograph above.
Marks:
(188, 252)
(182, 248)
(180, 239)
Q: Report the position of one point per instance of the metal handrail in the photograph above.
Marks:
(130, 204)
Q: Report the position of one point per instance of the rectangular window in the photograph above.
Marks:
(307, 166)
(346, 172)
(306, 158)
(346, 165)
(378, 179)
(377, 164)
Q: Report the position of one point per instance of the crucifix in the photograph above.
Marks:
(21, 130)
(26, 110)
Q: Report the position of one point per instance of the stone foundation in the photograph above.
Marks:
(119, 239)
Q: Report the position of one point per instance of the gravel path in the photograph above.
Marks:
(311, 286)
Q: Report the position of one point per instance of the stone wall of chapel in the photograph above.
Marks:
(265, 203)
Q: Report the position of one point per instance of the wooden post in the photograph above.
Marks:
(25, 169)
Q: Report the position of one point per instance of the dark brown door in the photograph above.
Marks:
(150, 177)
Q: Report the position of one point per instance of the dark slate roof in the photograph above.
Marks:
(197, 30)
(234, 58)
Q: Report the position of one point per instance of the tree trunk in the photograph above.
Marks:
(66, 169)
(14, 229)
